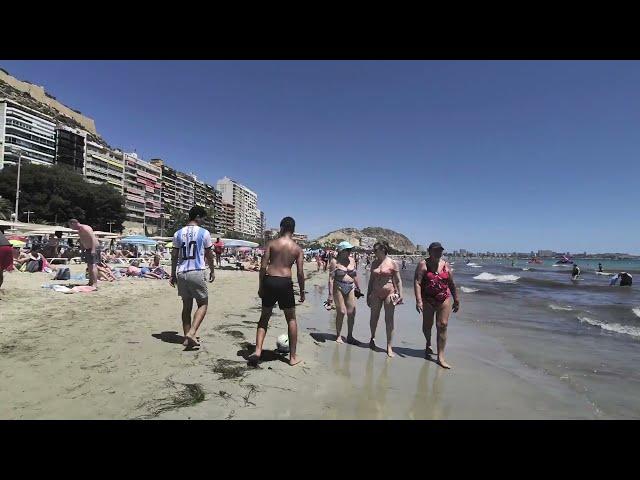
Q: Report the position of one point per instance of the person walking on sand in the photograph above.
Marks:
(275, 286)
(385, 288)
(191, 247)
(6, 256)
(343, 284)
(218, 248)
(434, 289)
(91, 249)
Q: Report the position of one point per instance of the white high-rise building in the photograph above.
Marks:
(32, 132)
(245, 203)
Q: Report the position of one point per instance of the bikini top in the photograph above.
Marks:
(339, 272)
(384, 272)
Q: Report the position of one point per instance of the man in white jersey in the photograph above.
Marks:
(191, 245)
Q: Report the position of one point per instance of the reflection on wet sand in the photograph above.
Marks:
(428, 403)
(372, 399)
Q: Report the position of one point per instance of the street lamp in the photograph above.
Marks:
(110, 223)
(13, 149)
(29, 212)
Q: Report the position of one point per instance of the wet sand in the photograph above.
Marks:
(117, 353)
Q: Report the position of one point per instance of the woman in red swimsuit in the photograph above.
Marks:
(435, 290)
(385, 288)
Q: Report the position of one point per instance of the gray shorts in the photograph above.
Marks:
(193, 284)
(91, 258)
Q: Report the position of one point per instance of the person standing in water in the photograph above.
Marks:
(600, 267)
(276, 286)
(626, 280)
(435, 293)
(343, 278)
(191, 246)
(575, 273)
(385, 288)
(404, 262)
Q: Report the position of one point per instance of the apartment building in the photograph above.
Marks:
(227, 217)
(104, 165)
(71, 147)
(245, 203)
(142, 190)
(32, 132)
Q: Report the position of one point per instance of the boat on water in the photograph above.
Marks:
(536, 260)
(564, 260)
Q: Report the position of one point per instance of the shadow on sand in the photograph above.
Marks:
(173, 337)
(267, 355)
(169, 337)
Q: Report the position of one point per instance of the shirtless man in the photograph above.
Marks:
(275, 285)
(91, 247)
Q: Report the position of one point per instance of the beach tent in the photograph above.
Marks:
(17, 243)
(138, 240)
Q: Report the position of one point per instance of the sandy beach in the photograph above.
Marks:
(117, 354)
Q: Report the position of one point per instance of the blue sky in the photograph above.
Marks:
(497, 156)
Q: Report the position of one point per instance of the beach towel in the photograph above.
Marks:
(63, 274)
(77, 289)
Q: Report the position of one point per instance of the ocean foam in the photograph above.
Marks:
(473, 265)
(496, 278)
(558, 307)
(526, 269)
(636, 311)
(612, 327)
(468, 290)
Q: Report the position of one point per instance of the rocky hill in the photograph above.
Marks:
(367, 236)
(27, 99)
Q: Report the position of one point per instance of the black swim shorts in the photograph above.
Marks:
(277, 290)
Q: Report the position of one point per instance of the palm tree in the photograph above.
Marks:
(5, 209)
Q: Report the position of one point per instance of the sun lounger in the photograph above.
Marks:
(58, 260)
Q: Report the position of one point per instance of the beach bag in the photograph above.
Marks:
(63, 274)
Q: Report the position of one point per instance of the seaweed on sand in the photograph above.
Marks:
(190, 394)
(229, 369)
(235, 333)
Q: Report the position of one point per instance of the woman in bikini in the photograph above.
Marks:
(435, 293)
(385, 288)
(343, 278)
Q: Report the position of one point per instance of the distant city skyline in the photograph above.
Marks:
(488, 156)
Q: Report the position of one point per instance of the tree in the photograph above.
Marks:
(57, 193)
(5, 209)
(175, 219)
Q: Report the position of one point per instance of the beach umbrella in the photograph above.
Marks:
(138, 240)
(169, 245)
(244, 249)
(17, 243)
(17, 237)
(239, 243)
